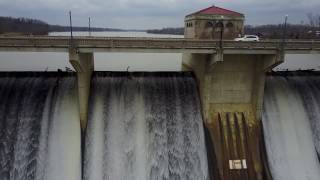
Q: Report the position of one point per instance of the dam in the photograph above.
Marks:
(225, 116)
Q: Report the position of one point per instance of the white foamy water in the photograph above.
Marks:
(290, 141)
(145, 127)
(39, 128)
(64, 143)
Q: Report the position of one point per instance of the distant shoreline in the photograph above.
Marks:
(10, 26)
(169, 31)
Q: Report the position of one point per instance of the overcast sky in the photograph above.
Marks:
(146, 14)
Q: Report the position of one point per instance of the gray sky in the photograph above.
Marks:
(145, 14)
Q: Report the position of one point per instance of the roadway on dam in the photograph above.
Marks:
(155, 45)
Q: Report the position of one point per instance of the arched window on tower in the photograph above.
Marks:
(189, 24)
(209, 24)
(219, 25)
(230, 30)
(208, 30)
(229, 25)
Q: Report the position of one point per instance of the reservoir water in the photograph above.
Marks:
(48, 61)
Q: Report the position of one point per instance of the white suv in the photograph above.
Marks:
(248, 38)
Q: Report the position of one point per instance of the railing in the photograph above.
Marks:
(151, 43)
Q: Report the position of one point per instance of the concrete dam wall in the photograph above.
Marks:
(146, 126)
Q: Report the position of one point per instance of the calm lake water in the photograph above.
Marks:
(48, 61)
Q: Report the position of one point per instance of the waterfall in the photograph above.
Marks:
(291, 122)
(145, 126)
(142, 126)
(39, 127)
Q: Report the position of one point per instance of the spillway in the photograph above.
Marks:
(145, 126)
(291, 122)
(39, 127)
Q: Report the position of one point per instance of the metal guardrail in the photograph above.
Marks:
(150, 43)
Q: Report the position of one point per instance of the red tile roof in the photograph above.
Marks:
(218, 11)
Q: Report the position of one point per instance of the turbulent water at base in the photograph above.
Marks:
(39, 127)
(145, 126)
(291, 122)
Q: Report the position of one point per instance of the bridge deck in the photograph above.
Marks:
(153, 45)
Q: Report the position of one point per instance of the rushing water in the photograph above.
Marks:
(39, 128)
(291, 121)
(145, 126)
(141, 126)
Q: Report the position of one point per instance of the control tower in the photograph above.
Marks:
(231, 86)
(212, 22)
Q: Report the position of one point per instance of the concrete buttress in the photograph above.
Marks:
(84, 65)
(231, 88)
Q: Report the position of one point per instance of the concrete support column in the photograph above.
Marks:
(231, 88)
(84, 65)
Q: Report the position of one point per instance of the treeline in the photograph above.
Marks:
(58, 28)
(23, 26)
(27, 26)
(174, 31)
(292, 31)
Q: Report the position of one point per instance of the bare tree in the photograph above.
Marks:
(314, 19)
(310, 18)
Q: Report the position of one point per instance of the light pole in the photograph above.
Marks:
(284, 30)
(221, 30)
(71, 35)
(221, 34)
(89, 26)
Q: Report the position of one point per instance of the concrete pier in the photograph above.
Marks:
(231, 85)
(231, 89)
(83, 63)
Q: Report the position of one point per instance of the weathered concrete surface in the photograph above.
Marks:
(231, 89)
(155, 45)
(203, 26)
(84, 65)
(236, 79)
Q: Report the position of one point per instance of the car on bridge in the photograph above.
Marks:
(248, 38)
